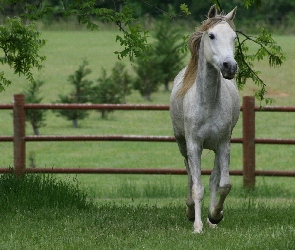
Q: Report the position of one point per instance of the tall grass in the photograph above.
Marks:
(30, 192)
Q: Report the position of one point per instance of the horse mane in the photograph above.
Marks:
(194, 42)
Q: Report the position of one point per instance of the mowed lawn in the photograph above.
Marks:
(136, 211)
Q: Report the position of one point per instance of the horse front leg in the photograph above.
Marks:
(219, 182)
(197, 189)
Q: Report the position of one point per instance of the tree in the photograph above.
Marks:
(163, 61)
(81, 94)
(112, 89)
(35, 116)
(20, 45)
(147, 70)
(123, 80)
(166, 48)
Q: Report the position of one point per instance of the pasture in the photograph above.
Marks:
(134, 211)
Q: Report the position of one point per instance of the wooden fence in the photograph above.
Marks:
(248, 140)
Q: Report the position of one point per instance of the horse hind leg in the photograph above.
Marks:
(190, 210)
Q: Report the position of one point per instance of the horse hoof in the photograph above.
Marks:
(197, 231)
(213, 221)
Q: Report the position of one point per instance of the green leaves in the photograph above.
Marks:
(20, 45)
(249, 3)
(133, 38)
(133, 41)
(184, 9)
(268, 49)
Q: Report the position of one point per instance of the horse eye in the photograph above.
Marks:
(211, 36)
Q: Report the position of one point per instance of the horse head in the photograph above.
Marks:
(219, 43)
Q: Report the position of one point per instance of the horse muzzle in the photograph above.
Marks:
(229, 69)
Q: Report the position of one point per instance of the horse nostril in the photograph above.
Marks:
(226, 65)
(230, 66)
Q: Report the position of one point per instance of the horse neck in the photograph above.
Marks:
(208, 79)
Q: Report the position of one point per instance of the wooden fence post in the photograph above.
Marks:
(248, 142)
(19, 126)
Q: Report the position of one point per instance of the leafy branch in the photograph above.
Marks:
(20, 45)
(268, 48)
(183, 8)
(133, 38)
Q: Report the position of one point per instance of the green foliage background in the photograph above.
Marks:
(133, 37)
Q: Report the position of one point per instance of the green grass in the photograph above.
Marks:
(64, 219)
(31, 192)
(114, 226)
(140, 211)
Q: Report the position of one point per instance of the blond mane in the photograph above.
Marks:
(194, 46)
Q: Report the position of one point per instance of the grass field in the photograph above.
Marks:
(46, 213)
(135, 211)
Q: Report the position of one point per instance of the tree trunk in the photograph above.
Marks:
(166, 86)
(148, 96)
(103, 114)
(75, 123)
(36, 130)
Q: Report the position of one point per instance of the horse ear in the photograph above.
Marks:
(212, 12)
(231, 15)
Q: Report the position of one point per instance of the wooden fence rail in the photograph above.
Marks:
(248, 140)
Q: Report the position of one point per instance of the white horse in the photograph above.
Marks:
(204, 108)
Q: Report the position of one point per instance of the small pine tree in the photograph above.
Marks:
(147, 70)
(163, 62)
(167, 46)
(123, 80)
(81, 94)
(35, 116)
(112, 89)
